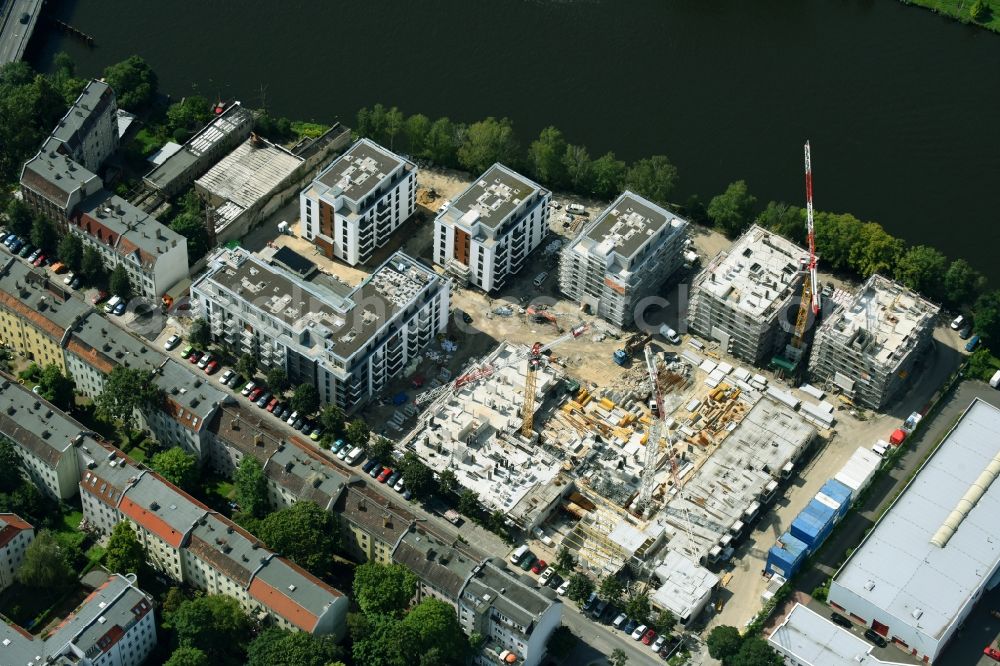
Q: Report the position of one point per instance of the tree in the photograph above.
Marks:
(393, 125)
(618, 657)
(10, 466)
(611, 590)
(835, 239)
(44, 564)
(579, 168)
(125, 391)
(192, 227)
(214, 624)
(561, 642)
(922, 269)
(665, 621)
(732, 211)
(723, 642)
(277, 129)
(653, 177)
(416, 130)
(187, 656)
(434, 625)
(545, 157)
(980, 366)
(120, 284)
(487, 142)
(91, 265)
(305, 399)
(987, 313)
(280, 647)
(200, 335)
(57, 388)
(384, 589)
(980, 11)
(70, 251)
(133, 81)
(447, 482)
(468, 503)
(30, 105)
(19, 218)
(962, 283)
(637, 607)
(608, 175)
(565, 562)
(442, 142)
(580, 587)
(43, 234)
(251, 487)
(192, 111)
(124, 553)
(178, 467)
(358, 433)
(306, 534)
(756, 652)
(417, 476)
(247, 366)
(785, 220)
(874, 251)
(175, 597)
(331, 417)
(277, 379)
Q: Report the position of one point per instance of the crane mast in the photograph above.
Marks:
(655, 433)
(534, 361)
(810, 286)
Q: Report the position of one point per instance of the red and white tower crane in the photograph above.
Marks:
(810, 286)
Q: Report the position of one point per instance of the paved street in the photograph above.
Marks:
(14, 35)
(597, 641)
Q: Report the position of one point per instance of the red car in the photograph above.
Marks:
(648, 637)
(992, 652)
(271, 405)
(254, 394)
(195, 355)
(212, 367)
(386, 473)
(539, 566)
(39, 261)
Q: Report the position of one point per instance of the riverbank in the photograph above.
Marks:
(960, 11)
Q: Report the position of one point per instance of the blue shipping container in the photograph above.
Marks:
(837, 494)
(786, 556)
(813, 524)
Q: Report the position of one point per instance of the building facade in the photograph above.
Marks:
(743, 296)
(348, 343)
(353, 206)
(868, 348)
(622, 257)
(16, 534)
(88, 133)
(484, 236)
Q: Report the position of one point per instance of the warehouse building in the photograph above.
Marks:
(868, 348)
(622, 257)
(743, 295)
(806, 638)
(930, 558)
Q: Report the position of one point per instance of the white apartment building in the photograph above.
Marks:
(154, 255)
(354, 204)
(88, 133)
(43, 437)
(513, 618)
(349, 343)
(622, 257)
(15, 536)
(484, 236)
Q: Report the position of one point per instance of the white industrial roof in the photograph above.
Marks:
(815, 641)
(898, 569)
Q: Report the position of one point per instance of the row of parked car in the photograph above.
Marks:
(387, 475)
(598, 608)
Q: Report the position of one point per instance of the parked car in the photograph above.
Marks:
(992, 652)
(561, 590)
(394, 479)
(639, 632)
(342, 453)
(316, 433)
(619, 621)
(648, 637)
(658, 643)
(971, 345)
(556, 581)
(34, 255)
(119, 309)
(292, 418)
(172, 342)
(875, 638)
(58, 268)
(264, 399)
(234, 381)
(194, 356)
(966, 332)
(212, 367)
(957, 322)
(630, 626)
(369, 466)
(338, 446)
(249, 388)
(272, 404)
(591, 600)
(599, 609)
(204, 360)
(305, 427)
(841, 620)
(39, 260)
(546, 575)
(384, 476)
(407, 495)
(527, 561)
(226, 376)
(539, 566)
(399, 485)
(284, 413)
(376, 471)
(254, 393)
(298, 424)
(76, 282)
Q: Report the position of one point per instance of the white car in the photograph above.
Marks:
(545, 576)
(68, 278)
(172, 342)
(658, 643)
(204, 361)
(248, 389)
(291, 418)
(226, 376)
(399, 485)
(563, 588)
(957, 322)
(639, 631)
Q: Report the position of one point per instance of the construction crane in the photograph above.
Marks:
(534, 361)
(810, 286)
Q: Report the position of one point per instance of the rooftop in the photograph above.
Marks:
(492, 199)
(137, 233)
(726, 488)
(316, 317)
(36, 298)
(55, 176)
(162, 508)
(228, 548)
(935, 548)
(884, 319)
(815, 641)
(492, 584)
(685, 585)
(108, 473)
(627, 226)
(243, 427)
(191, 398)
(292, 593)
(96, 96)
(358, 172)
(375, 514)
(444, 565)
(756, 276)
(10, 526)
(35, 424)
(305, 474)
(105, 345)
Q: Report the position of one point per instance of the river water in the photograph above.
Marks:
(902, 106)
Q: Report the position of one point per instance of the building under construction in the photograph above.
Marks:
(867, 349)
(742, 297)
(622, 257)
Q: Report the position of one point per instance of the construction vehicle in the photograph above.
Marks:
(540, 315)
(620, 357)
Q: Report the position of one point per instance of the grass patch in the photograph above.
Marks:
(217, 491)
(961, 10)
(312, 130)
(148, 142)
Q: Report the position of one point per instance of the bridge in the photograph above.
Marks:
(18, 19)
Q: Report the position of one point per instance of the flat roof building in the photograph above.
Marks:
(807, 638)
(868, 347)
(240, 186)
(743, 294)
(930, 557)
(347, 343)
(353, 205)
(621, 257)
(483, 236)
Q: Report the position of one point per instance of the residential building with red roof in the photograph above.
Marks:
(15, 536)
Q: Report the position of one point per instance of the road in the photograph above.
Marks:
(598, 641)
(14, 35)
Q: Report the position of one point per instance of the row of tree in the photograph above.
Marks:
(726, 644)
(550, 158)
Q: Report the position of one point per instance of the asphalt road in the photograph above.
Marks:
(14, 35)
(597, 641)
